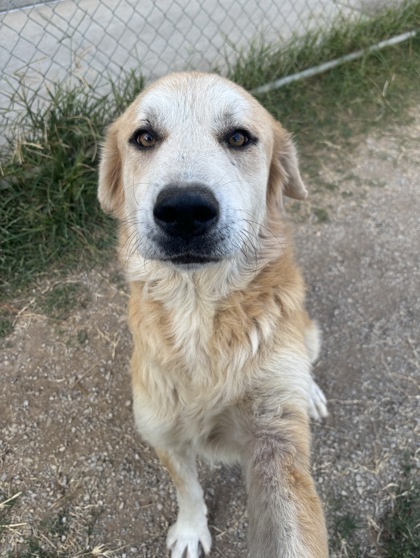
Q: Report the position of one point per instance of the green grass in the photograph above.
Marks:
(262, 63)
(321, 214)
(6, 325)
(396, 534)
(49, 214)
(48, 178)
(401, 526)
(331, 109)
(343, 526)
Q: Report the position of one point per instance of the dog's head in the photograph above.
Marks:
(193, 168)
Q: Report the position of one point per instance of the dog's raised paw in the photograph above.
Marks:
(185, 538)
(317, 402)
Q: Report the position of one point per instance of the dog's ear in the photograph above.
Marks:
(284, 171)
(110, 189)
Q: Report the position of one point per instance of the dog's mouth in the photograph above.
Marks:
(192, 260)
(190, 252)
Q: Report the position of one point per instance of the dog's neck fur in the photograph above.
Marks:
(196, 297)
(201, 339)
(237, 304)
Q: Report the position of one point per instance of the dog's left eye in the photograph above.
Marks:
(239, 138)
(146, 139)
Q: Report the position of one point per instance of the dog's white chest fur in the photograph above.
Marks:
(192, 318)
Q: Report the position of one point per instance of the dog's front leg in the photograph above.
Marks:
(190, 529)
(286, 519)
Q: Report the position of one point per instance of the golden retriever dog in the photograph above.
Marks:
(195, 171)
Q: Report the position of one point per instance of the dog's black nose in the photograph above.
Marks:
(189, 211)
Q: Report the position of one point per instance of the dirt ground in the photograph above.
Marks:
(81, 481)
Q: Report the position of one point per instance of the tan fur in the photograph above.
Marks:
(222, 354)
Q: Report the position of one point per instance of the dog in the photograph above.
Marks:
(195, 171)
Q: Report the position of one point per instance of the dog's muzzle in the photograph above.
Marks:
(186, 218)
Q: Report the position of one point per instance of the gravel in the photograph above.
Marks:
(84, 482)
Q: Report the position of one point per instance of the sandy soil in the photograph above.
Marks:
(83, 482)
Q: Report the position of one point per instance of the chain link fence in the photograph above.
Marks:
(54, 40)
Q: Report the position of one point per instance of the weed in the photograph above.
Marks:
(34, 549)
(401, 526)
(330, 186)
(6, 503)
(6, 326)
(56, 526)
(82, 336)
(376, 183)
(322, 215)
(7, 319)
(343, 529)
(58, 302)
(53, 538)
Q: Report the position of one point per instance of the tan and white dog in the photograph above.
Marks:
(195, 171)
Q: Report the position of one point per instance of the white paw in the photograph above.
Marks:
(317, 402)
(186, 536)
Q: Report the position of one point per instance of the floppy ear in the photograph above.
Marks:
(284, 171)
(110, 189)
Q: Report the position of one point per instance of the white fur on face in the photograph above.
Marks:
(192, 117)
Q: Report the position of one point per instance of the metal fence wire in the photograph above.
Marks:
(52, 40)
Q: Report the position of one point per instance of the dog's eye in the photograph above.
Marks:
(145, 138)
(239, 138)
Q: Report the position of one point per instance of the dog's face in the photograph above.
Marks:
(192, 168)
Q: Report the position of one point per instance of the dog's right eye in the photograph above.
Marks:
(239, 138)
(145, 139)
